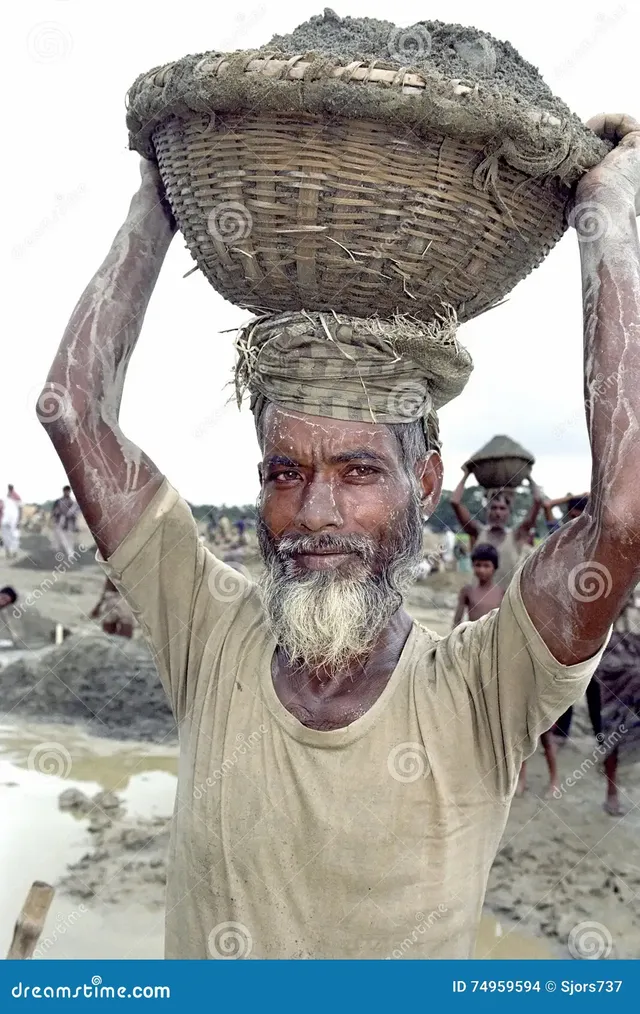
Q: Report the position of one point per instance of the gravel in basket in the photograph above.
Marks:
(362, 167)
(500, 464)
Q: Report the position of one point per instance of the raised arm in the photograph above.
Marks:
(529, 522)
(576, 585)
(462, 513)
(112, 479)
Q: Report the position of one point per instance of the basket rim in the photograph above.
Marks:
(423, 101)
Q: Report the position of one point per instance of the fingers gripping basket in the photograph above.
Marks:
(306, 182)
(501, 464)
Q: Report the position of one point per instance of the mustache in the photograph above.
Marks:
(292, 545)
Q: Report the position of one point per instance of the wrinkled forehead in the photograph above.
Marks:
(318, 439)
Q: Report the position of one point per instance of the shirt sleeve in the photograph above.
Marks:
(509, 685)
(179, 592)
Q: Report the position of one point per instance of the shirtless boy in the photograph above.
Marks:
(481, 598)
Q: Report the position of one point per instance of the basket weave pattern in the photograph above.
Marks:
(351, 215)
(501, 473)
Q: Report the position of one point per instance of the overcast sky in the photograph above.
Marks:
(69, 183)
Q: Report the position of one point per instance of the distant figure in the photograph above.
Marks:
(224, 529)
(497, 532)
(64, 514)
(479, 599)
(10, 516)
(574, 506)
(241, 524)
(8, 596)
(114, 612)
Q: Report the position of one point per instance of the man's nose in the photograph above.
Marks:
(319, 509)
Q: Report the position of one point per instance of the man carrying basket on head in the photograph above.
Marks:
(379, 760)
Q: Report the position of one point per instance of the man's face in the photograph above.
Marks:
(340, 530)
(498, 513)
(483, 570)
(5, 600)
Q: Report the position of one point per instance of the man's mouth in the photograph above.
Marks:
(322, 559)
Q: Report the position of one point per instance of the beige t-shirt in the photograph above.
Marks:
(370, 841)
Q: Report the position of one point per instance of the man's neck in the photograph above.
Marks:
(326, 700)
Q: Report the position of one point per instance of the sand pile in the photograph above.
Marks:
(128, 857)
(29, 628)
(107, 683)
(455, 50)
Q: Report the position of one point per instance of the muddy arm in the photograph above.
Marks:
(575, 587)
(112, 479)
(462, 513)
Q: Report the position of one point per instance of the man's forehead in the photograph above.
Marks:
(297, 435)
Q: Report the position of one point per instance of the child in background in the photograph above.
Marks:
(481, 598)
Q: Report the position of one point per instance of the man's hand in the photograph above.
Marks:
(152, 193)
(619, 171)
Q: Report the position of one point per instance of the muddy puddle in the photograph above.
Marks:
(38, 841)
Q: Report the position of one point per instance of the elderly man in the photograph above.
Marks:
(346, 775)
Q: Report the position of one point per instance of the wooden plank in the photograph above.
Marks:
(30, 922)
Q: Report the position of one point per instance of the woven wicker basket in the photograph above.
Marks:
(501, 473)
(289, 209)
(501, 464)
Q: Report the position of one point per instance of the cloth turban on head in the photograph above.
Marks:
(375, 370)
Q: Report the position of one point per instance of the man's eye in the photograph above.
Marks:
(288, 475)
(362, 471)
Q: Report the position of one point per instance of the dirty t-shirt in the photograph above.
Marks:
(370, 841)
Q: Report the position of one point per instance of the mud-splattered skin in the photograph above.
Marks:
(575, 586)
(112, 479)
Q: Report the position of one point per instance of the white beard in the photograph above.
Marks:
(324, 620)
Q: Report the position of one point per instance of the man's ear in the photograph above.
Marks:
(430, 473)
